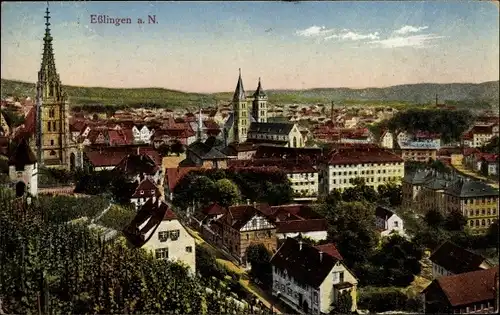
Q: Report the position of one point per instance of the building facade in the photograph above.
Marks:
(48, 125)
(310, 280)
(477, 201)
(375, 165)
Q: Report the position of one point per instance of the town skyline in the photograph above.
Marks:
(363, 44)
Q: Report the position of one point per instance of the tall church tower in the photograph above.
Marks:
(241, 114)
(52, 111)
(259, 107)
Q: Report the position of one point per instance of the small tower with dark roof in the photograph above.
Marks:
(23, 170)
(259, 108)
(240, 112)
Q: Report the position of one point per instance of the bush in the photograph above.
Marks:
(386, 299)
(117, 217)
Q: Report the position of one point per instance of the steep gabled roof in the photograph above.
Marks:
(206, 152)
(238, 216)
(147, 220)
(383, 212)
(330, 249)
(456, 259)
(22, 155)
(148, 189)
(303, 262)
(134, 164)
(468, 288)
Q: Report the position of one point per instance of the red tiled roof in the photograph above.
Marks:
(148, 189)
(489, 157)
(470, 287)
(301, 226)
(105, 157)
(214, 209)
(174, 175)
(469, 151)
(482, 130)
(361, 154)
(288, 166)
(169, 215)
(330, 249)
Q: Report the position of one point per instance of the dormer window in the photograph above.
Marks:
(152, 191)
(142, 192)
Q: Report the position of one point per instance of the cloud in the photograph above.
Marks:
(314, 31)
(349, 35)
(418, 41)
(410, 29)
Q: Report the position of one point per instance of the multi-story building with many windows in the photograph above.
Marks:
(477, 201)
(377, 166)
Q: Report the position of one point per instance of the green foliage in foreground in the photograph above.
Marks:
(56, 268)
(117, 217)
(376, 300)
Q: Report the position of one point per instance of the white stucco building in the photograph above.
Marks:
(387, 222)
(377, 166)
(309, 279)
(157, 228)
(387, 140)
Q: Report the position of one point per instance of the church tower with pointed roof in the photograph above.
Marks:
(241, 112)
(259, 106)
(52, 135)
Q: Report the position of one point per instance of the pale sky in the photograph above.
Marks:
(199, 46)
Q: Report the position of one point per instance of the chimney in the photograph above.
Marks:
(248, 201)
(255, 204)
(320, 256)
(300, 245)
(138, 150)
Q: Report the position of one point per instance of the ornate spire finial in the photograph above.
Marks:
(239, 70)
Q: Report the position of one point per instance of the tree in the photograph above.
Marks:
(117, 217)
(455, 221)
(434, 218)
(344, 303)
(259, 258)
(399, 260)
(227, 192)
(360, 192)
(177, 147)
(351, 226)
(391, 193)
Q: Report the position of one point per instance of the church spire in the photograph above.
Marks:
(259, 91)
(239, 92)
(49, 84)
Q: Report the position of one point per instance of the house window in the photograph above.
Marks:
(341, 276)
(396, 224)
(174, 235)
(51, 142)
(189, 249)
(52, 152)
(51, 113)
(163, 236)
(161, 253)
(315, 297)
(49, 126)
